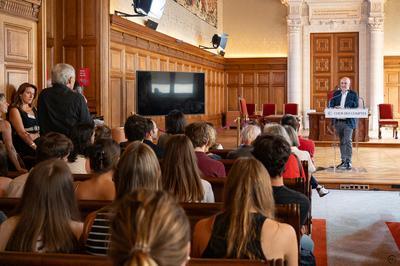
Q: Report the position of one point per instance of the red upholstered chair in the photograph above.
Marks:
(386, 118)
(269, 109)
(244, 113)
(251, 108)
(290, 108)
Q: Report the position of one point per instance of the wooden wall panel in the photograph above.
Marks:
(18, 51)
(261, 80)
(392, 83)
(74, 36)
(158, 52)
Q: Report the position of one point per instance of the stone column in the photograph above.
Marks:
(376, 75)
(294, 62)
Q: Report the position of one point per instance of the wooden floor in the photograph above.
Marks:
(376, 165)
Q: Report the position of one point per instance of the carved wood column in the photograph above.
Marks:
(376, 75)
(295, 48)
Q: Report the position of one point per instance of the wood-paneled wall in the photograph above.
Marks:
(18, 44)
(135, 47)
(74, 36)
(392, 83)
(258, 80)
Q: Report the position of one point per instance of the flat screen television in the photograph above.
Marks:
(158, 93)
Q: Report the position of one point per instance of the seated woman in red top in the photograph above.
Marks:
(246, 229)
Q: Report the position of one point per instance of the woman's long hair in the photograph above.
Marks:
(248, 189)
(16, 96)
(45, 211)
(180, 173)
(149, 228)
(137, 168)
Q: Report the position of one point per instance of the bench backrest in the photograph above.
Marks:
(288, 213)
(49, 259)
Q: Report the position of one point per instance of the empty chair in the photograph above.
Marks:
(269, 109)
(251, 108)
(386, 118)
(290, 108)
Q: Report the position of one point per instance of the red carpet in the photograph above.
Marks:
(394, 228)
(319, 238)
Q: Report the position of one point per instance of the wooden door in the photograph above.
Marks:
(333, 56)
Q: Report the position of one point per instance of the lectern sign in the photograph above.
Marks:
(346, 113)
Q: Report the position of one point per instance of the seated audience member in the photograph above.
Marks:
(135, 129)
(274, 161)
(102, 132)
(248, 135)
(198, 133)
(180, 173)
(212, 143)
(23, 118)
(46, 219)
(150, 228)
(50, 146)
(102, 155)
(152, 135)
(6, 136)
(4, 181)
(293, 167)
(175, 123)
(82, 136)
(60, 109)
(304, 144)
(246, 229)
(137, 168)
(305, 156)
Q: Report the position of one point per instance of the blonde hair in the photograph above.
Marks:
(137, 168)
(149, 228)
(180, 173)
(248, 187)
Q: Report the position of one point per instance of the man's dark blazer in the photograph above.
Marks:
(351, 102)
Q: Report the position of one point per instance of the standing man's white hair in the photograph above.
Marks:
(62, 73)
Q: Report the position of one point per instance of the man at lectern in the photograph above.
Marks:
(345, 98)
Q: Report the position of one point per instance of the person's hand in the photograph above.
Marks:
(34, 135)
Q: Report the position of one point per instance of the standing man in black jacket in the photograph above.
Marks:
(59, 107)
(345, 98)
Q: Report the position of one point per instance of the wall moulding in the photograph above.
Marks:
(129, 33)
(22, 8)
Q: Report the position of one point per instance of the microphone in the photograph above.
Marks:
(329, 102)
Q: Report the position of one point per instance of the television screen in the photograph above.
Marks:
(158, 93)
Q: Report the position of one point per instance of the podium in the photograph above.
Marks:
(346, 113)
(338, 113)
(321, 129)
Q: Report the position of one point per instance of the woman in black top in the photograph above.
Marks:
(246, 229)
(23, 119)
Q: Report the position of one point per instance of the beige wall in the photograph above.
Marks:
(392, 27)
(256, 28)
(177, 22)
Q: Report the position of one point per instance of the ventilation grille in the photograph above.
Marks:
(353, 187)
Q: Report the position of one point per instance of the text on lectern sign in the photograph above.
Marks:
(346, 113)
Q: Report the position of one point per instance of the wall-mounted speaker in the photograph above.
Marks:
(151, 24)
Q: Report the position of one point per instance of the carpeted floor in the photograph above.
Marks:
(362, 228)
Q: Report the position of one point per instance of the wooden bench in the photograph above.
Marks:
(288, 213)
(49, 259)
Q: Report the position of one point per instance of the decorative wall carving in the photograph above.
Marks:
(21, 8)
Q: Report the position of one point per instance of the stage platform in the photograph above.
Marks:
(376, 163)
